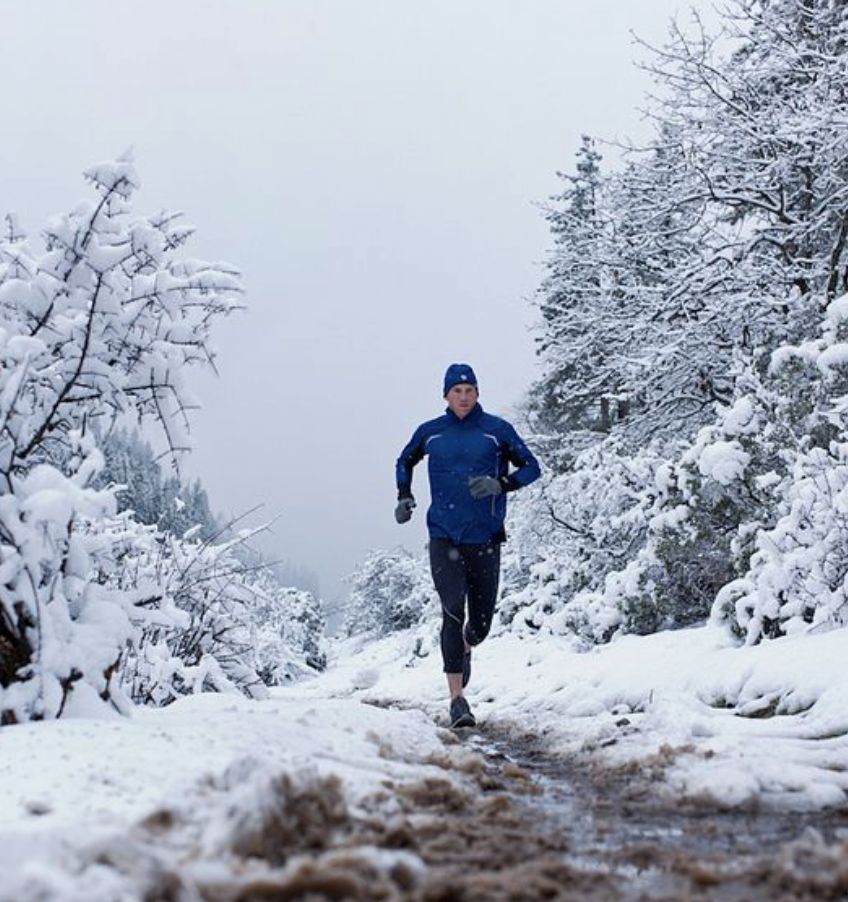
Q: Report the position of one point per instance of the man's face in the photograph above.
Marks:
(462, 398)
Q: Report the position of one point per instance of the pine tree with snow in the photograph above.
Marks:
(155, 499)
(568, 397)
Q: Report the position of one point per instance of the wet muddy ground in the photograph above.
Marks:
(496, 817)
(616, 825)
(524, 826)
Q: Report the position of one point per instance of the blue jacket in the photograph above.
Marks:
(477, 445)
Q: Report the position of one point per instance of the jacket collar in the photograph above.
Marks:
(472, 416)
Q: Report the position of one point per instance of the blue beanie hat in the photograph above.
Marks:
(459, 373)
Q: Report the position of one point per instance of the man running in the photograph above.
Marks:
(470, 452)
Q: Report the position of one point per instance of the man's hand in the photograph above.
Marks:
(403, 511)
(484, 486)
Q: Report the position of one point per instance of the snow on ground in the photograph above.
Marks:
(72, 791)
(738, 726)
(83, 801)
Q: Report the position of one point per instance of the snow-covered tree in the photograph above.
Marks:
(719, 242)
(726, 232)
(289, 631)
(568, 531)
(105, 319)
(153, 497)
(795, 576)
(571, 395)
(760, 137)
(389, 591)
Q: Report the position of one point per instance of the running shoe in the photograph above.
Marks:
(460, 713)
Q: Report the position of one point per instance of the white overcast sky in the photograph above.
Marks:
(372, 167)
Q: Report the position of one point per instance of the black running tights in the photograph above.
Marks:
(463, 572)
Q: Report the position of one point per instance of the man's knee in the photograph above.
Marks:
(452, 613)
(477, 628)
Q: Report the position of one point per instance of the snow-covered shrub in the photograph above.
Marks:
(705, 496)
(389, 591)
(206, 620)
(105, 319)
(705, 505)
(796, 576)
(568, 531)
(211, 647)
(288, 627)
(304, 625)
(60, 632)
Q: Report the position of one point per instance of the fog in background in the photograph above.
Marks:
(372, 167)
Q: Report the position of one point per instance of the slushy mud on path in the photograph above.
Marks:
(523, 825)
(641, 845)
(493, 817)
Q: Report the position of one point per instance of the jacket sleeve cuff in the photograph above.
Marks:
(508, 484)
(404, 491)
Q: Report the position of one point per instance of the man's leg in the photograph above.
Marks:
(448, 571)
(482, 572)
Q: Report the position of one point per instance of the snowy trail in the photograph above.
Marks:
(402, 810)
(490, 815)
(540, 826)
(593, 776)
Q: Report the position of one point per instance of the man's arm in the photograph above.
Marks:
(411, 455)
(520, 456)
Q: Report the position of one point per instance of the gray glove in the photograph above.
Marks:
(403, 511)
(484, 486)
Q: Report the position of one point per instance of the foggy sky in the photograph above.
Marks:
(372, 167)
